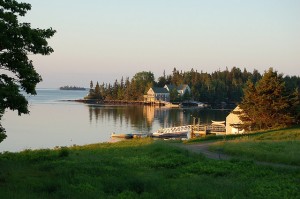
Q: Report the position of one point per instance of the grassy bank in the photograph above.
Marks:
(278, 146)
(137, 169)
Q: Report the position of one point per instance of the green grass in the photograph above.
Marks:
(138, 169)
(278, 146)
(292, 133)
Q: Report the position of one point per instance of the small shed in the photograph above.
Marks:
(233, 122)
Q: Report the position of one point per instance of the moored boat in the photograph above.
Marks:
(126, 136)
(170, 135)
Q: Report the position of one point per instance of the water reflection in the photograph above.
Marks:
(64, 124)
(122, 116)
(148, 118)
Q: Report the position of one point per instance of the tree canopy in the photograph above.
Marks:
(213, 88)
(17, 41)
(94, 93)
(267, 104)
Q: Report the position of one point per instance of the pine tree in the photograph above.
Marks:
(248, 115)
(266, 104)
(91, 92)
(295, 105)
(97, 93)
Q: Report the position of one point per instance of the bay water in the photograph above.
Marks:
(55, 121)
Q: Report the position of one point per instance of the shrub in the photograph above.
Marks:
(63, 152)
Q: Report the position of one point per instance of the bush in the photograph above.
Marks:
(63, 152)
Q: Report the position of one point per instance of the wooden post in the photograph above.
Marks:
(193, 128)
(198, 123)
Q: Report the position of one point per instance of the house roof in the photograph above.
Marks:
(170, 87)
(182, 87)
(237, 110)
(159, 90)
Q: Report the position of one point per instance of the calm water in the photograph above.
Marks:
(53, 122)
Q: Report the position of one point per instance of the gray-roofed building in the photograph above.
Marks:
(181, 89)
(170, 87)
(155, 94)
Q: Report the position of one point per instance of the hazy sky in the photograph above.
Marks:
(103, 40)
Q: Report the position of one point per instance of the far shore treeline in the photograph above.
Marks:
(216, 87)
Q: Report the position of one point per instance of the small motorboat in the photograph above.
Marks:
(170, 135)
(125, 136)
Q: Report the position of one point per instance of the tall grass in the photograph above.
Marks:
(292, 133)
(137, 169)
(278, 146)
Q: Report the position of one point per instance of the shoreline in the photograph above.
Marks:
(139, 103)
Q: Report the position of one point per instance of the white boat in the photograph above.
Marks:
(171, 105)
(170, 135)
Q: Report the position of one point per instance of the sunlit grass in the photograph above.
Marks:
(137, 169)
(279, 146)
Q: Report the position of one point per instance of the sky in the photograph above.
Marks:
(103, 40)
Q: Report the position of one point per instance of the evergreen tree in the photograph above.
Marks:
(91, 85)
(91, 92)
(186, 96)
(295, 105)
(162, 81)
(97, 93)
(266, 104)
(174, 95)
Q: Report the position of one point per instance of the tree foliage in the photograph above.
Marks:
(219, 86)
(267, 104)
(17, 41)
(95, 93)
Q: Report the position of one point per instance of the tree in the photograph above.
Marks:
(295, 105)
(91, 85)
(17, 40)
(186, 95)
(141, 82)
(97, 93)
(174, 95)
(91, 92)
(267, 104)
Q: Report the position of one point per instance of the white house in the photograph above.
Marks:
(180, 89)
(157, 94)
(183, 88)
(233, 122)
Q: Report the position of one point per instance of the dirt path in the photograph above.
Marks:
(203, 148)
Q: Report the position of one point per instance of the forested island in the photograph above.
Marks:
(216, 87)
(267, 101)
(72, 88)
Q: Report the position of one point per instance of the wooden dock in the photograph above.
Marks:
(217, 128)
(194, 130)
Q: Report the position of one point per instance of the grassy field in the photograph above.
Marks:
(278, 146)
(138, 169)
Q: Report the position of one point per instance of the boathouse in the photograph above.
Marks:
(157, 94)
(233, 122)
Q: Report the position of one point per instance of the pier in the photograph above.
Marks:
(194, 130)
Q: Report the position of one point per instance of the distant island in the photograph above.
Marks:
(72, 88)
